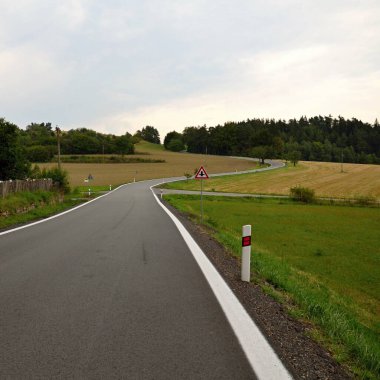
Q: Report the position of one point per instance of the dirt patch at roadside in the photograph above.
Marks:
(303, 357)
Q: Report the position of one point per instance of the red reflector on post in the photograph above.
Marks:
(246, 241)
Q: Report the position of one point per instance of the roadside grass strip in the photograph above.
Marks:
(45, 213)
(325, 258)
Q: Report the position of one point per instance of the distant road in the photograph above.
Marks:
(111, 290)
(273, 164)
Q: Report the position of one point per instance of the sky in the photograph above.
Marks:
(116, 66)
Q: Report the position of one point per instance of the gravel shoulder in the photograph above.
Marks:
(303, 357)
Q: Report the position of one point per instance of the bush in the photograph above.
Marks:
(59, 177)
(302, 194)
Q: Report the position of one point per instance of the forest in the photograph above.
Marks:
(40, 142)
(319, 138)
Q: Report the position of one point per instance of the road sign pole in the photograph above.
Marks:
(202, 201)
(201, 174)
(246, 254)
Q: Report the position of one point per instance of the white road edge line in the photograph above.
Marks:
(60, 214)
(261, 356)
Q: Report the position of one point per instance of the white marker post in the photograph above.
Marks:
(110, 187)
(246, 254)
(89, 192)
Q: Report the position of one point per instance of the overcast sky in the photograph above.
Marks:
(118, 65)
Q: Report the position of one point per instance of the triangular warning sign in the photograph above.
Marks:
(201, 174)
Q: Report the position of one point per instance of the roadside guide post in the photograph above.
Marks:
(246, 253)
(201, 174)
(88, 180)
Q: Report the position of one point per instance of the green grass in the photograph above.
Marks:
(44, 203)
(145, 145)
(95, 189)
(325, 257)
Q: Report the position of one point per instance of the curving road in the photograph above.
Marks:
(111, 290)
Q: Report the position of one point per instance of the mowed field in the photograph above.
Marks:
(326, 257)
(339, 246)
(325, 178)
(176, 164)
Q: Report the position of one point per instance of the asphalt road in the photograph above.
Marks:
(111, 290)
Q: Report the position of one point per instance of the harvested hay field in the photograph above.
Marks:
(176, 164)
(325, 178)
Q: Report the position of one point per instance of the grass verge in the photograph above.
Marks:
(325, 258)
(28, 206)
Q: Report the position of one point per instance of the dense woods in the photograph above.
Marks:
(314, 139)
(38, 143)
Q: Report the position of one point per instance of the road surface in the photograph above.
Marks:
(111, 290)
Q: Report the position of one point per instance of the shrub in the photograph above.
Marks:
(302, 194)
(59, 177)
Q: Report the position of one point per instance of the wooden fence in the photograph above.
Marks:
(9, 187)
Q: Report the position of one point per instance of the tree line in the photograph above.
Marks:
(319, 138)
(40, 142)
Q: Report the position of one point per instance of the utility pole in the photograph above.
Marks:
(59, 145)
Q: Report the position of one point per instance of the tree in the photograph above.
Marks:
(149, 134)
(124, 144)
(40, 153)
(13, 163)
(196, 139)
(294, 157)
(170, 136)
(40, 134)
(80, 141)
(278, 146)
(262, 152)
(176, 145)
